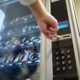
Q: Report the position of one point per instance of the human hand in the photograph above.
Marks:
(48, 26)
(47, 23)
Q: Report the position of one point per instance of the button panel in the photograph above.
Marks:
(64, 64)
(63, 60)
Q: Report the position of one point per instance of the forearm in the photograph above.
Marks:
(47, 23)
(38, 8)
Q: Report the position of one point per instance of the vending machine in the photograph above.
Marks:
(65, 56)
(25, 53)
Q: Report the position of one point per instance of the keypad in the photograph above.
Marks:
(63, 60)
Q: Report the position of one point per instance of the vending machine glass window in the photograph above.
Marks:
(20, 41)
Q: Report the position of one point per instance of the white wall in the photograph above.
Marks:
(77, 7)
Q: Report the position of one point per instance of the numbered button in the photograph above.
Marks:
(57, 53)
(63, 62)
(64, 68)
(62, 57)
(70, 67)
(57, 58)
(62, 52)
(58, 69)
(69, 61)
(57, 63)
(68, 51)
(68, 56)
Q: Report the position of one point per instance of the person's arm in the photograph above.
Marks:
(27, 2)
(48, 24)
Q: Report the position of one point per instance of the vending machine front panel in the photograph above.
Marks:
(63, 58)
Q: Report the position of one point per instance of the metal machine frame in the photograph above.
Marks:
(46, 60)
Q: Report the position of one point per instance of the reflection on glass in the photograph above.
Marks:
(19, 44)
(2, 17)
